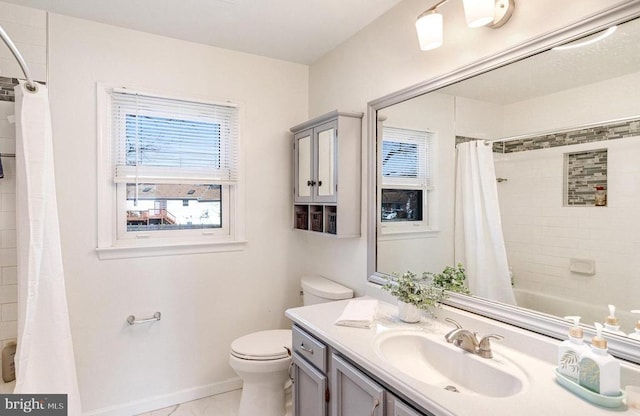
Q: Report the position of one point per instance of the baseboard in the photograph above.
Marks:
(166, 400)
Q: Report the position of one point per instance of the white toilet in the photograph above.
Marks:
(262, 359)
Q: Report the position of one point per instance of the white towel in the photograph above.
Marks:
(358, 313)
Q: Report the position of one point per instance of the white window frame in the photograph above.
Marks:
(395, 230)
(114, 241)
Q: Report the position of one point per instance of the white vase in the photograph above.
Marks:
(408, 312)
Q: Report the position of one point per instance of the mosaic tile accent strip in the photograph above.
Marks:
(584, 171)
(6, 89)
(620, 130)
(613, 131)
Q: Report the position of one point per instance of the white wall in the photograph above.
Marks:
(384, 57)
(27, 29)
(601, 101)
(206, 300)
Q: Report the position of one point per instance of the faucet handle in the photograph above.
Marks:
(451, 321)
(484, 346)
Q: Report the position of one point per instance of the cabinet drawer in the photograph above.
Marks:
(311, 349)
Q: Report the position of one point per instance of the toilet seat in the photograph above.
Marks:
(263, 345)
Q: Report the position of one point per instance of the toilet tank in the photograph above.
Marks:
(317, 289)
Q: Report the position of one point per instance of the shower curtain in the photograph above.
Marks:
(479, 241)
(44, 358)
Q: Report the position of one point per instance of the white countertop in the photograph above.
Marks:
(534, 354)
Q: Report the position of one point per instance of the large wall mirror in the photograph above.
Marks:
(564, 128)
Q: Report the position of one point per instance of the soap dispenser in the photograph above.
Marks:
(636, 334)
(569, 351)
(612, 324)
(599, 371)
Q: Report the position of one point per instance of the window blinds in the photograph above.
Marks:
(406, 157)
(165, 140)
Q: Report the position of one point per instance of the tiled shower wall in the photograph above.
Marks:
(542, 234)
(27, 29)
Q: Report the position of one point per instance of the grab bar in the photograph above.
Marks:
(131, 319)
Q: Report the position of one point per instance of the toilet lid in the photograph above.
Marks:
(264, 345)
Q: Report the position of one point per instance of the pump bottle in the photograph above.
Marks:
(569, 351)
(599, 371)
(612, 324)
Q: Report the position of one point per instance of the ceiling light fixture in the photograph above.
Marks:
(478, 13)
(587, 41)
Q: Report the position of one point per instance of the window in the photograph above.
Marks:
(405, 160)
(174, 178)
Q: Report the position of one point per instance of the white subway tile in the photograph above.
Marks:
(8, 294)
(9, 275)
(9, 312)
(7, 145)
(8, 202)
(8, 238)
(8, 330)
(7, 219)
(8, 257)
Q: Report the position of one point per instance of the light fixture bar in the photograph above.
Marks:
(490, 13)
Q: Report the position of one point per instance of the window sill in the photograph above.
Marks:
(406, 233)
(123, 251)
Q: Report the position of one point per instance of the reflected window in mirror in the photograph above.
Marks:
(405, 177)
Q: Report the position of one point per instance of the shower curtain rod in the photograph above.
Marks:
(31, 86)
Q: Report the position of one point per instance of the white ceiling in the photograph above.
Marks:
(292, 30)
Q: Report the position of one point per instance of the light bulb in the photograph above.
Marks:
(479, 12)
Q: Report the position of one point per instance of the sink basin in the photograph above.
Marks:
(430, 359)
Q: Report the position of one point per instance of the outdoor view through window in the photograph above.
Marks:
(173, 207)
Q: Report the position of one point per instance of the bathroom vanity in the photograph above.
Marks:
(399, 369)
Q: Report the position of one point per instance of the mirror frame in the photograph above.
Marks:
(549, 325)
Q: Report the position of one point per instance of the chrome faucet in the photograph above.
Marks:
(468, 340)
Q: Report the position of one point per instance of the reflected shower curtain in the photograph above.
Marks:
(44, 359)
(479, 241)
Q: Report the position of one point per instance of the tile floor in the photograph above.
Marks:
(225, 404)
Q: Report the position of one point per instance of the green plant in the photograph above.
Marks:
(418, 291)
(451, 279)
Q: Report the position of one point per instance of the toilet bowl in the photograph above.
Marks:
(262, 359)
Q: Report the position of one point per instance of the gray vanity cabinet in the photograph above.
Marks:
(325, 384)
(353, 393)
(309, 389)
(310, 382)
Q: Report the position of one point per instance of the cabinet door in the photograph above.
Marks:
(401, 409)
(326, 136)
(304, 180)
(309, 389)
(353, 393)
